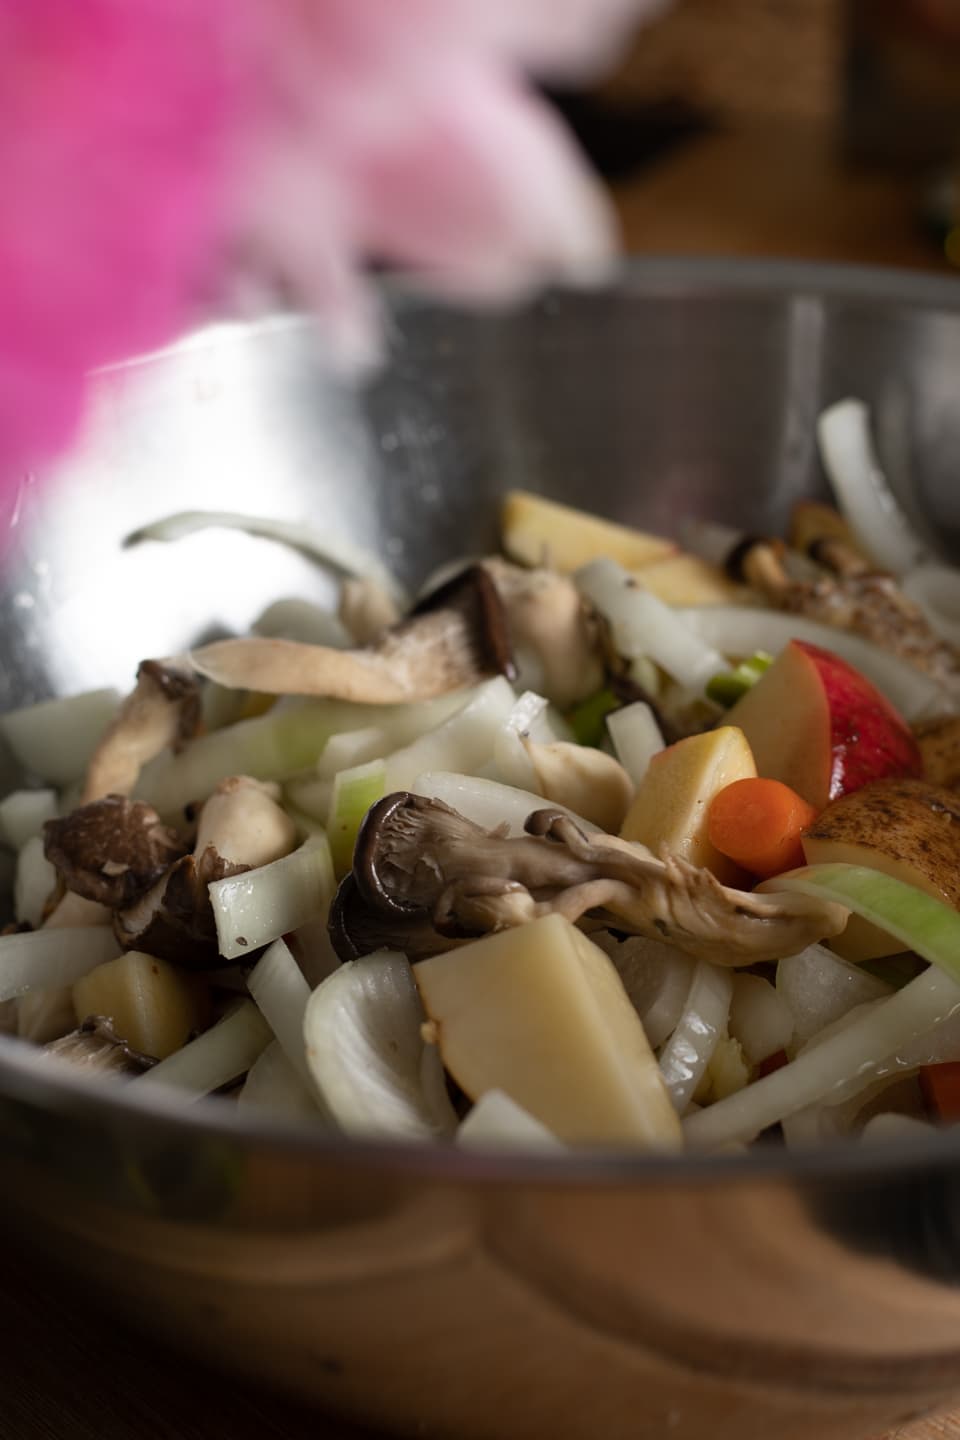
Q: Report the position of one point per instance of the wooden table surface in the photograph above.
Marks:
(754, 189)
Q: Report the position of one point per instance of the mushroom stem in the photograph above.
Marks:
(159, 714)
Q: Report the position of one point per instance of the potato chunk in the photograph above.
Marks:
(150, 1004)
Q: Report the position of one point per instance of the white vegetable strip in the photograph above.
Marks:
(636, 738)
(739, 630)
(319, 545)
(310, 796)
(281, 994)
(275, 746)
(643, 625)
(497, 1122)
(273, 1084)
(657, 978)
(534, 717)
(487, 802)
(862, 490)
(216, 1057)
(34, 884)
(854, 1051)
(936, 589)
(261, 905)
(687, 1053)
(367, 1055)
(294, 619)
(55, 739)
(819, 988)
(354, 791)
(22, 815)
(39, 959)
(759, 1018)
(463, 743)
(396, 726)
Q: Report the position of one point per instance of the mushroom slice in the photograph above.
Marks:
(416, 859)
(96, 1049)
(557, 639)
(357, 928)
(455, 638)
(241, 827)
(162, 712)
(111, 850)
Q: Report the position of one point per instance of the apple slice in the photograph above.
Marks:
(539, 1012)
(906, 828)
(821, 727)
(671, 807)
(541, 532)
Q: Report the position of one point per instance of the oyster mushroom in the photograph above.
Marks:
(417, 860)
(366, 609)
(162, 712)
(111, 850)
(453, 639)
(241, 827)
(586, 781)
(94, 1048)
(556, 638)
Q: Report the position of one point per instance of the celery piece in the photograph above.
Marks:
(354, 791)
(731, 685)
(588, 720)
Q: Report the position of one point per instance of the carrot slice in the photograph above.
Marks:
(758, 823)
(940, 1085)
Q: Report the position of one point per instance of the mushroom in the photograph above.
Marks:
(163, 711)
(557, 640)
(456, 637)
(111, 850)
(366, 609)
(95, 1049)
(241, 827)
(417, 860)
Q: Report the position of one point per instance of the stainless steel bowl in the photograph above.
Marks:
(440, 1293)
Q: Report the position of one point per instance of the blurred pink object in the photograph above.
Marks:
(142, 142)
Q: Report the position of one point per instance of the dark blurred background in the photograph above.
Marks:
(821, 129)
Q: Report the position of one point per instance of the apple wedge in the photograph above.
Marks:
(541, 532)
(672, 803)
(821, 727)
(539, 1012)
(905, 828)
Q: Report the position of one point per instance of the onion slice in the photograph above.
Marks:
(339, 554)
(272, 1083)
(742, 630)
(258, 906)
(52, 957)
(216, 1057)
(863, 493)
(687, 1053)
(936, 589)
(367, 1055)
(498, 1123)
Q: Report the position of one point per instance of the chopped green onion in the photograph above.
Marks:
(354, 791)
(588, 719)
(731, 685)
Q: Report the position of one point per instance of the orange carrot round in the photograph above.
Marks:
(758, 823)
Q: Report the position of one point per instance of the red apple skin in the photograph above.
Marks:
(822, 728)
(869, 739)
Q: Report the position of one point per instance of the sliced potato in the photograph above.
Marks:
(909, 829)
(669, 810)
(687, 580)
(939, 742)
(541, 532)
(150, 1004)
(540, 1013)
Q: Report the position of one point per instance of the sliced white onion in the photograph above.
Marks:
(656, 977)
(890, 1127)
(687, 1053)
(740, 630)
(462, 743)
(367, 1055)
(863, 493)
(819, 988)
(496, 1122)
(23, 814)
(34, 884)
(759, 1018)
(309, 796)
(636, 738)
(486, 802)
(258, 906)
(642, 625)
(41, 959)
(55, 739)
(295, 619)
(332, 550)
(216, 1057)
(853, 1054)
(343, 752)
(534, 717)
(936, 589)
(511, 763)
(273, 1084)
(281, 993)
